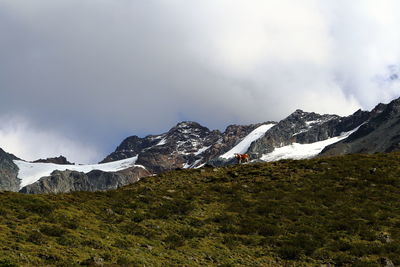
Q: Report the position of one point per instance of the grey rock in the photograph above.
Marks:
(386, 262)
(96, 180)
(130, 147)
(93, 261)
(304, 128)
(187, 145)
(191, 145)
(56, 160)
(8, 172)
(381, 133)
(385, 237)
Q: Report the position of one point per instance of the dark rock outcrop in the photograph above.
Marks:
(191, 145)
(56, 160)
(131, 146)
(186, 145)
(8, 172)
(381, 133)
(96, 180)
(304, 128)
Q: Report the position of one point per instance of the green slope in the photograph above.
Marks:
(342, 210)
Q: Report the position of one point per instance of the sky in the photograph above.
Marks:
(78, 76)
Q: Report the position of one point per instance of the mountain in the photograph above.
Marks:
(379, 134)
(336, 211)
(56, 160)
(55, 178)
(95, 180)
(187, 145)
(305, 128)
(8, 172)
(191, 145)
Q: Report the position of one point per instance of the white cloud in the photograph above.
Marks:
(29, 142)
(113, 68)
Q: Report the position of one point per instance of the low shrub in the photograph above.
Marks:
(37, 238)
(52, 230)
(7, 263)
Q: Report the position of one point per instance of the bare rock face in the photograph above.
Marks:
(191, 145)
(131, 146)
(56, 160)
(187, 145)
(381, 133)
(304, 128)
(96, 180)
(8, 172)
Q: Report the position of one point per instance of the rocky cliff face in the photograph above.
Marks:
(305, 128)
(381, 133)
(69, 181)
(56, 160)
(186, 145)
(8, 172)
(191, 145)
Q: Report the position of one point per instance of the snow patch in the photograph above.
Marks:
(201, 150)
(193, 165)
(300, 132)
(302, 151)
(313, 122)
(244, 145)
(319, 121)
(186, 166)
(162, 142)
(29, 172)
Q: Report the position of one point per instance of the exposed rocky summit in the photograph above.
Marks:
(96, 180)
(305, 128)
(56, 160)
(191, 145)
(8, 172)
(186, 145)
(379, 134)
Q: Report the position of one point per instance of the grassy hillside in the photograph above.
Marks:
(342, 210)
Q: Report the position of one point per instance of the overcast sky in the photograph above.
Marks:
(78, 76)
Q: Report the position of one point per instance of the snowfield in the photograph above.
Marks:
(29, 172)
(244, 145)
(303, 151)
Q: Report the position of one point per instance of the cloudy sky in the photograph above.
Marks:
(78, 76)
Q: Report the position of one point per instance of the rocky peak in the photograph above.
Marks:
(135, 144)
(300, 117)
(96, 180)
(188, 125)
(234, 129)
(187, 144)
(392, 109)
(188, 129)
(378, 109)
(305, 127)
(8, 172)
(298, 113)
(132, 146)
(9, 156)
(380, 133)
(56, 160)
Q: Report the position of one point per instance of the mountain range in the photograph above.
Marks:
(191, 145)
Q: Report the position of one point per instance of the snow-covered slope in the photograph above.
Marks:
(302, 151)
(244, 145)
(186, 145)
(32, 172)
